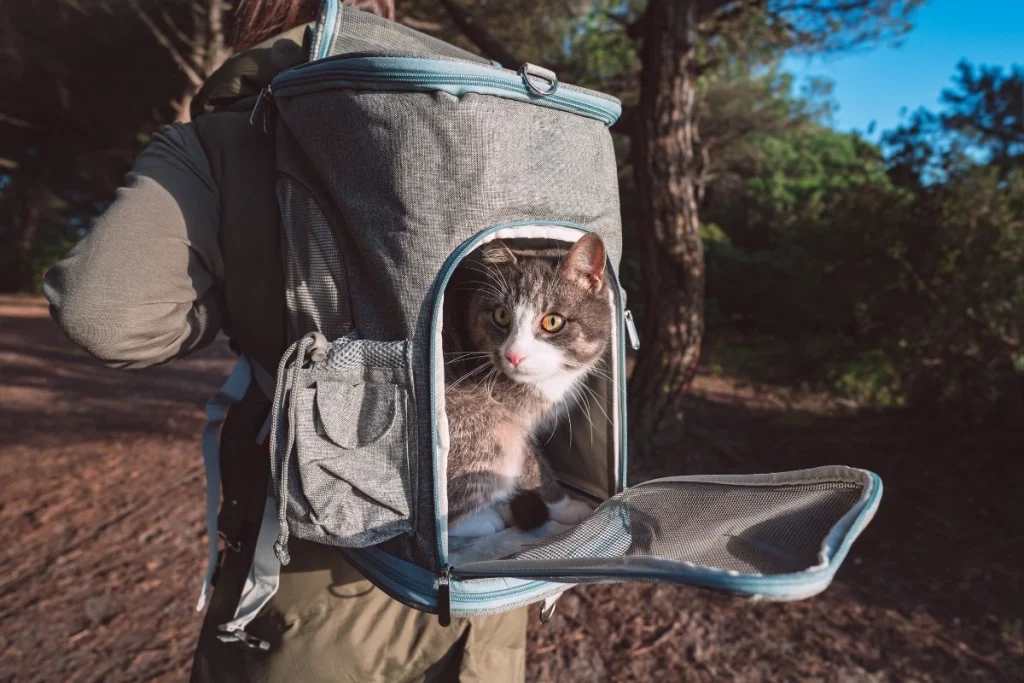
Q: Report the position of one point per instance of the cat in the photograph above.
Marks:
(523, 329)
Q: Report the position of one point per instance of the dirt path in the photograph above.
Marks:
(101, 539)
(101, 520)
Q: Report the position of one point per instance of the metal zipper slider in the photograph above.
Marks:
(260, 109)
(634, 338)
(444, 597)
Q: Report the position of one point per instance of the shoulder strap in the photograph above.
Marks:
(235, 85)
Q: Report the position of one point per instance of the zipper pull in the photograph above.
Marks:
(444, 597)
(260, 110)
(634, 338)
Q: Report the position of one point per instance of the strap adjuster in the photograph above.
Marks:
(243, 639)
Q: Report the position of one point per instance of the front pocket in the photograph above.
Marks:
(355, 415)
(354, 422)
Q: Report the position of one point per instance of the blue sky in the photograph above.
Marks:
(874, 85)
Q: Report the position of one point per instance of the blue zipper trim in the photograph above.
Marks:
(455, 77)
(447, 269)
(416, 587)
(327, 31)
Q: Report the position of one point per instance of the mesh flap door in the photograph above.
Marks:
(777, 536)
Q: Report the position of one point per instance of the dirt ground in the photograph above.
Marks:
(102, 540)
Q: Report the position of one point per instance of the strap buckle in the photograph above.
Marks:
(243, 639)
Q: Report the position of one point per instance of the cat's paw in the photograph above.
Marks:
(569, 511)
(483, 523)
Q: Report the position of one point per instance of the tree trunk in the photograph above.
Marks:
(197, 52)
(666, 171)
(208, 52)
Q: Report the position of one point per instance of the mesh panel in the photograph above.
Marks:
(351, 353)
(314, 274)
(747, 529)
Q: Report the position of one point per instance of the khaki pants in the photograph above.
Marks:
(328, 623)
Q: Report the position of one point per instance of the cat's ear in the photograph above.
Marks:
(497, 252)
(585, 262)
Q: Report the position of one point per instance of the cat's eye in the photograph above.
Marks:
(502, 316)
(552, 322)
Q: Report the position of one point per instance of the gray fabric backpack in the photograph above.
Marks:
(397, 156)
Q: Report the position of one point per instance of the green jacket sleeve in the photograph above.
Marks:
(141, 287)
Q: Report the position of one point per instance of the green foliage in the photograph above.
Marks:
(896, 282)
(986, 108)
(956, 289)
(869, 378)
(785, 264)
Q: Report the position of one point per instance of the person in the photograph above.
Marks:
(191, 247)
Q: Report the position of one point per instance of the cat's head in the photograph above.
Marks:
(543, 318)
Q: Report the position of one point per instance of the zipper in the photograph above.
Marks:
(446, 64)
(395, 581)
(634, 338)
(261, 110)
(450, 75)
(444, 597)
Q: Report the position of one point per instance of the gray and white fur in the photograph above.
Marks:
(523, 329)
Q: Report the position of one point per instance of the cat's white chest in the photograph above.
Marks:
(559, 386)
(510, 467)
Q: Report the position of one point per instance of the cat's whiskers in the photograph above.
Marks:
(554, 425)
(585, 410)
(495, 375)
(494, 277)
(570, 426)
(486, 379)
(595, 370)
(495, 270)
(469, 374)
(486, 286)
(463, 356)
(597, 400)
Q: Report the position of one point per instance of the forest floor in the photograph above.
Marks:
(102, 539)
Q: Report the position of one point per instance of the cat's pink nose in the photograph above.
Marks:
(514, 357)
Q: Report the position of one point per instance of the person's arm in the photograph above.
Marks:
(141, 286)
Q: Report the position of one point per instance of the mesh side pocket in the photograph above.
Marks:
(354, 423)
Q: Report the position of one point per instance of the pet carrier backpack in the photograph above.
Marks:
(398, 155)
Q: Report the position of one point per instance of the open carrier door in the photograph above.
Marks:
(774, 536)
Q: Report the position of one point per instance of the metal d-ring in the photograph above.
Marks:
(527, 70)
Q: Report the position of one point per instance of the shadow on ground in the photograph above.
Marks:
(50, 387)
